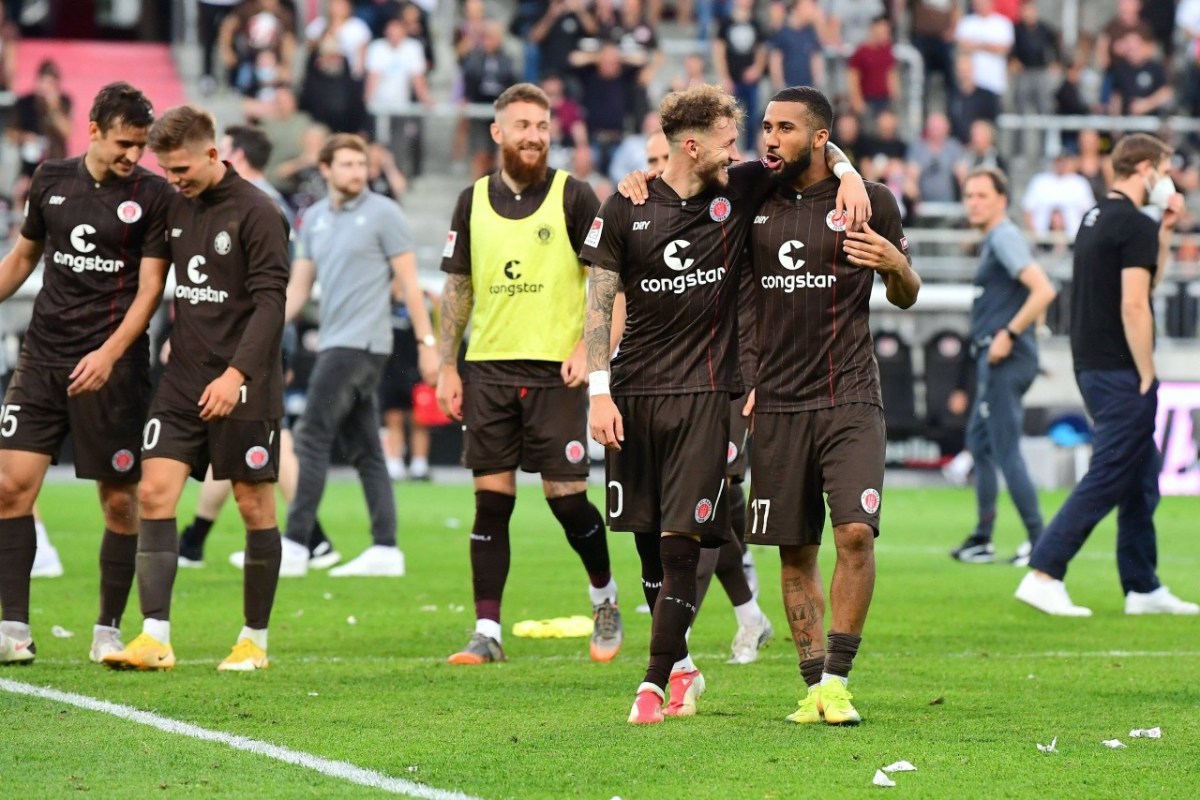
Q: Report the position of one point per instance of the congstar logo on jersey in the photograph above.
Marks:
(676, 258)
(85, 262)
(199, 294)
(789, 259)
(513, 271)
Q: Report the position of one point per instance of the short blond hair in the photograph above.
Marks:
(181, 127)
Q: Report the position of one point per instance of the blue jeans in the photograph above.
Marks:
(343, 408)
(1123, 473)
(994, 439)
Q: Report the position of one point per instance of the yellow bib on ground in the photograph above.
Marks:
(529, 287)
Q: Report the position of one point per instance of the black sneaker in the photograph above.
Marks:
(975, 550)
(191, 552)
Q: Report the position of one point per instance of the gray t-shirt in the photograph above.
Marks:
(351, 248)
(937, 183)
(999, 293)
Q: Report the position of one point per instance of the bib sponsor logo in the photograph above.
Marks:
(720, 209)
(257, 457)
(671, 255)
(731, 453)
(870, 501)
(222, 243)
(593, 237)
(835, 221)
(681, 283)
(451, 240)
(129, 212)
(575, 451)
(704, 510)
(85, 263)
(122, 461)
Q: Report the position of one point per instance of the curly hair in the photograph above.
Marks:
(697, 109)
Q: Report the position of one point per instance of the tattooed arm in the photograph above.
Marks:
(604, 420)
(852, 199)
(458, 298)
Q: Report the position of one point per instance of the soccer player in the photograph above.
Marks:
(221, 395)
(1120, 256)
(818, 425)
(84, 367)
(512, 269)
(1013, 292)
(358, 245)
(676, 260)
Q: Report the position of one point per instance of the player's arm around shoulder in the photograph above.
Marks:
(884, 248)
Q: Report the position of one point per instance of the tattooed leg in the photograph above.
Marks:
(804, 599)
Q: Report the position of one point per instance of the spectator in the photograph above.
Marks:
(639, 44)
(631, 155)
(253, 26)
(1094, 164)
(873, 76)
(401, 377)
(933, 27)
(987, 37)
(932, 159)
(342, 30)
(332, 92)
(1035, 61)
(1060, 189)
(695, 73)
(41, 125)
(850, 22)
(1071, 100)
(300, 177)
(1139, 82)
(739, 56)
(247, 149)
(1187, 19)
(970, 103)
(395, 74)
(796, 58)
(283, 122)
(609, 83)
(885, 142)
(1159, 15)
(383, 176)
(981, 151)
(415, 26)
(849, 136)
(569, 148)
(486, 72)
(558, 33)
(212, 14)
(1128, 19)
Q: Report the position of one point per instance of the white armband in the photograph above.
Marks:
(841, 168)
(598, 383)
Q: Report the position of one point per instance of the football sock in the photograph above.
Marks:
(652, 568)
(731, 575)
(199, 531)
(585, 532)
(748, 613)
(489, 627)
(18, 548)
(606, 592)
(676, 606)
(684, 664)
(260, 576)
(160, 629)
(118, 557)
(157, 562)
(490, 553)
(839, 655)
(811, 670)
(256, 635)
(704, 573)
(737, 512)
(15, 630)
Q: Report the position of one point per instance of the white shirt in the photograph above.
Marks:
(1187, 17)
(396, 67)
(1049, 192)
(990, 69)
(351, 37)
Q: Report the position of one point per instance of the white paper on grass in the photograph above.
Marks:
(1115, 744)
(1146, 733)
(900, 766)
(1049, 748)
(59, 632)
(882, 780)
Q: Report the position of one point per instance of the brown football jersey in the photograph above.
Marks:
(815, 346)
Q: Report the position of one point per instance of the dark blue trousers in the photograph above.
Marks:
(1123, 473)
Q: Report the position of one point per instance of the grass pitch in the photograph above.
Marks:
(954, 675)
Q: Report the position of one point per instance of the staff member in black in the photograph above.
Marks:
(1120, 256)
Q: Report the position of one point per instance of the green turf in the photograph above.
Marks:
(954, 676)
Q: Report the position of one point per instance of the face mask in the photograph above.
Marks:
(1160, 192)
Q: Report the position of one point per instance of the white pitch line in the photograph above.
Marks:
(341, 770)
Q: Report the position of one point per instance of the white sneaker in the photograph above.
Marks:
(323, 556)
(105, 640)
(958, 469)
(1160, 601)
(46, 564)
(1021, 559)
(377, 561)
(293, 564)
(749, 640)
(396, 470)
(16, 651)
(643, 608)
(1049, 596)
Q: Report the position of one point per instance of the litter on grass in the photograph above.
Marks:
(61, 633)
(1115, 744)
(453, 522)
(328, 596)
(1146, 733)
(313, 694)
(429, 608)
(900, 766)
(1049, 748)
(882, 780)
(351, 620)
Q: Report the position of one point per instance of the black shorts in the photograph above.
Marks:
(801, 457)
(669, 474)
(401, 373)
(536, 428)
(739, 441)
(238, 449)
(105, 426)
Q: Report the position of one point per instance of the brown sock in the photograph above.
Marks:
(491, 553)
(260, 576)
(811, 669)
(652, 569)
(118, 557)
(839, 656)
(18, 547)
(157, 563)
(731, 575)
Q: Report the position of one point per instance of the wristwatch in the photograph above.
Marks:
(429, 340)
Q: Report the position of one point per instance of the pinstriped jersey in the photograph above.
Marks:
(95, 235)
(815, 345)
(679, 263)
